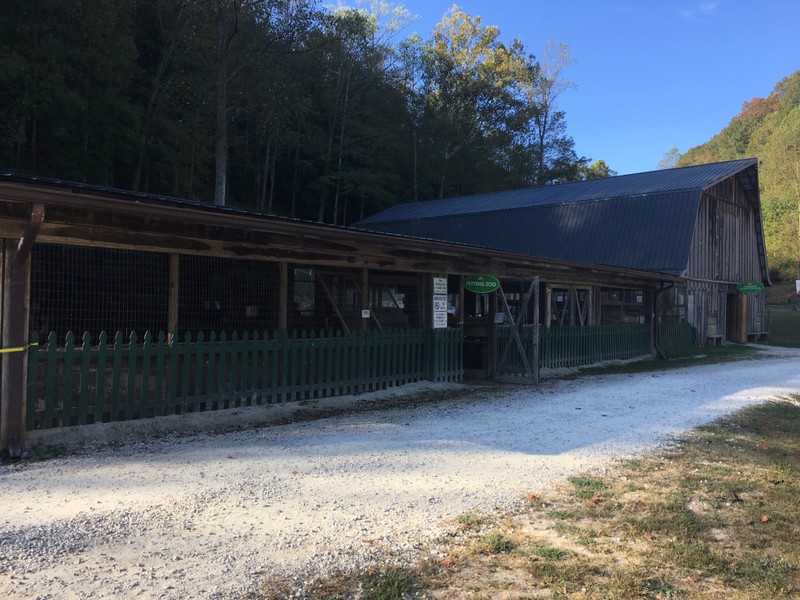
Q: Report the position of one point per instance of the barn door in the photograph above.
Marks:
(517, 347)
(736, 321)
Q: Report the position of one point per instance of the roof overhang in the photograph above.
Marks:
(85, 215)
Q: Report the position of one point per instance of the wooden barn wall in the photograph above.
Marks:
(724, 253)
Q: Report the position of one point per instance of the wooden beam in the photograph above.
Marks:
(283, 297)
(174, 295)
(365, 298)
(332, 300)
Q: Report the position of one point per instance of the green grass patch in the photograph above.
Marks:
(496, 543)
(562, 515)
(586, 487)
(547, 552)
(392, 584)
(470, 520)
(766, 575)
(45, 452)
(784, 327)
(696, 356)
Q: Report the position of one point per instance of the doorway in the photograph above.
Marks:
(736, 322)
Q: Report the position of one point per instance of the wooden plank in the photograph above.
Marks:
(130, 396)
(283, 296)
(66, 386)
(51, 383)
(174, 293)
(34, 359)
(158, 392)
(83, 393)
(321, 281)
(173, 356)
(364, 295)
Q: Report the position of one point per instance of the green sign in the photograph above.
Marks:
(481, 284)
(750, 287)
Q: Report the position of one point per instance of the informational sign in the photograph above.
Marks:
(750, 287)
(440, 286)
(440, 302)
(481, 284)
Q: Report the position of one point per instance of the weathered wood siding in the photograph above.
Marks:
(724, 252)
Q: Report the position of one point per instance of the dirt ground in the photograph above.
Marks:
(179, 515)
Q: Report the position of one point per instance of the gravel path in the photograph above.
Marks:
(206, 516)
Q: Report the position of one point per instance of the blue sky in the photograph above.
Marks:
(650, 74)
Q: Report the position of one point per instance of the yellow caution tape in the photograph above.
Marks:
(18, 348)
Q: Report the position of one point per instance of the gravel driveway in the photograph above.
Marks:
(206, 516)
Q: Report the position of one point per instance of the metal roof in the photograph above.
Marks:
(101, 216)
(636, 184)
(643, 221)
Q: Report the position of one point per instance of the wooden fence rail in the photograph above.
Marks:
(79, 383)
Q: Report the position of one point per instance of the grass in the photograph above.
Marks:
(716, 516)
(696, 356)
(392, 584)
(45, 452)
(784, 327)
(496, 543)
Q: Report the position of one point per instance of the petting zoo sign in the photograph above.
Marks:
(750, 287)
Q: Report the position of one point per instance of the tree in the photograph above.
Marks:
(781, 175)
(554, 149)
(670, 159)
(597, 170)
(65, 74)
(468, 82)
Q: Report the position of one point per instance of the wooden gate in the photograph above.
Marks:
(516, 344)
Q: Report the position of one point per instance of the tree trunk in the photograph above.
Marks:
(221, 154)
(341, 150)
(293, 211)
(415, 175)
(262, 195)
(272, 179)
(329, 151)
(226, 29)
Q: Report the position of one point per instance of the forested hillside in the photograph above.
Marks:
(768, 128)
(278, 106)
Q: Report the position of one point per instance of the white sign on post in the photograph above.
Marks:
(439, 286)
(440, 302)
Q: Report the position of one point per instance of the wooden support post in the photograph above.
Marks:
(491, 358)
(174, 291)
(15, 314)
(743, 318)
(461, 300)
(536, 331)
(283, 297)
(365, 297)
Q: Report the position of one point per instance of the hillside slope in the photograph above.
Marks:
(768, 128)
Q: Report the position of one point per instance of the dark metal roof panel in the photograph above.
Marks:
(637, 184)
(651, 233)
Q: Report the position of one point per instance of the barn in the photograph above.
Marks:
(699, 224)
(120, 306)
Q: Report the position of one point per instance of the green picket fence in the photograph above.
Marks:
(78, 383)
(577, 346)
(675, 337)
